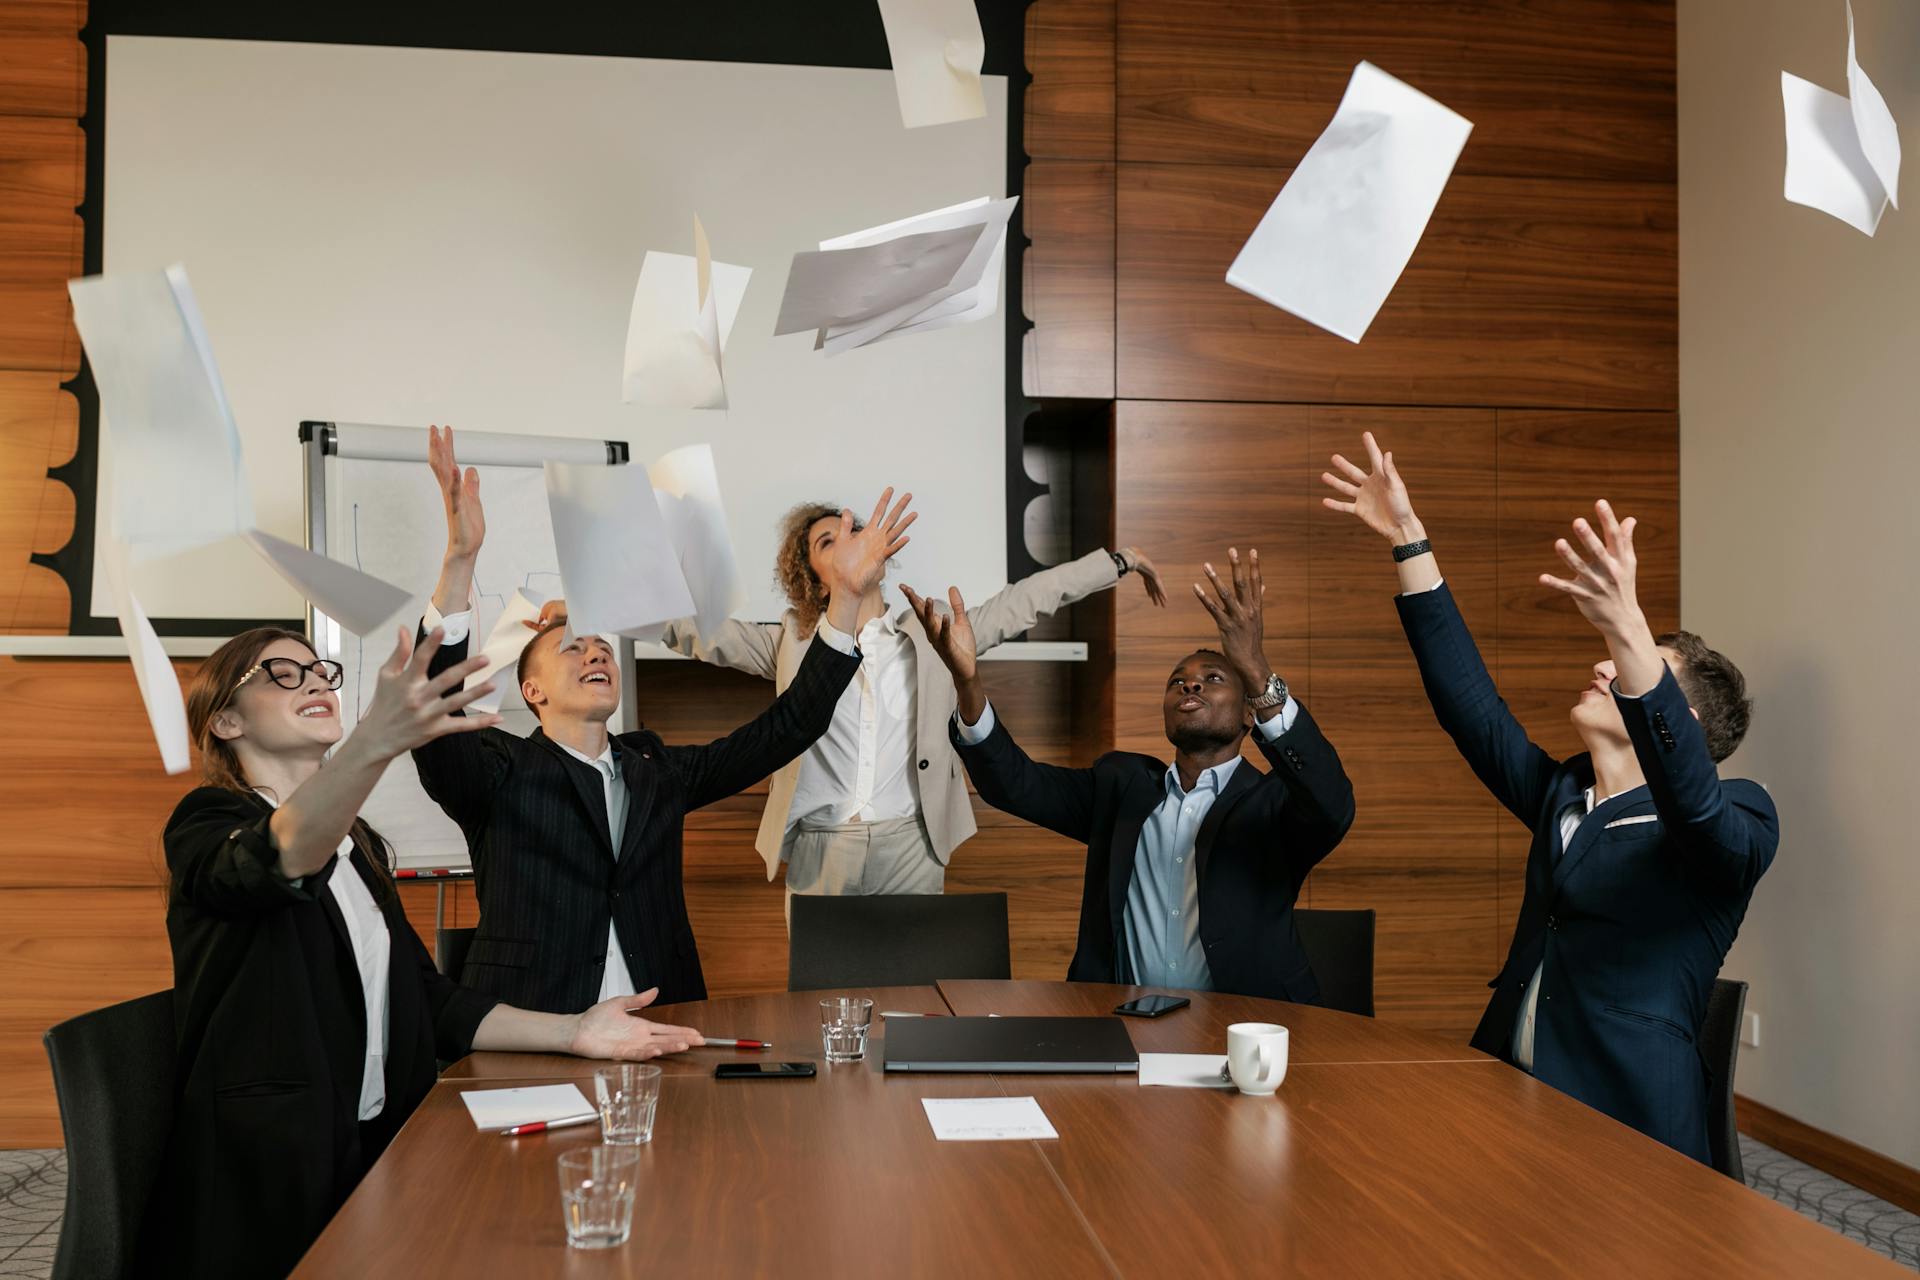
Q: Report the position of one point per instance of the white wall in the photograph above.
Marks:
(407, 236)
(1800, 454)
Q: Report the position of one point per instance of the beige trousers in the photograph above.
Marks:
(863, 858)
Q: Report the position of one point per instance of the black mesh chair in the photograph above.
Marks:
(1720, 1049)
(896, 940)
(1339, 945)
(113, 1076)
(450, 950)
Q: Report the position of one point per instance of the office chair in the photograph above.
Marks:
(1720, 1048)
(1339, 946)
(450, 950)
(113, 1077)
(895, 940)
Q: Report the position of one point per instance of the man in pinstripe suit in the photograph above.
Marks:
(575, 833)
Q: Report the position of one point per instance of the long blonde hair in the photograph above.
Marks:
(211, 692)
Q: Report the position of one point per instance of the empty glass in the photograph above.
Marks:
(843, 1027)
(597, 1186)
(629, 1094)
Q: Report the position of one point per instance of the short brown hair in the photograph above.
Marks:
(793, 569)
(1715, 690)
(526, 658)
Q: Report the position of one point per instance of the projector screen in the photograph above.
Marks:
(411, 236)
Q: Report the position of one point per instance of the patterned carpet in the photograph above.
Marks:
(33, 1188)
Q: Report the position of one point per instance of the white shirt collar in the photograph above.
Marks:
(1214, 779)
(604, 758)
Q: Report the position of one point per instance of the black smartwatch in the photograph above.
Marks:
(1408, 550)
(1120, 566)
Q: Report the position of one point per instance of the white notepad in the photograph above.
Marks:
(987, 1119)
(1184, 1070)
(504, 1108)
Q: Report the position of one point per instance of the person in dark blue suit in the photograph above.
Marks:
(1643, 859)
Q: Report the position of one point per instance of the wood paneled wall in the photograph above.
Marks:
(1527, 362)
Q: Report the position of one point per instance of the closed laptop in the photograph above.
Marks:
(1010, 1044)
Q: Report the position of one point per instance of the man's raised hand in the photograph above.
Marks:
(460, 492)
(859, 560)
(1377, 495)
(1237, 613)
(950, 634)
(1603, 567)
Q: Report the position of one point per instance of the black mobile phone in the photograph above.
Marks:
(763, 1071)
(1152, 1006)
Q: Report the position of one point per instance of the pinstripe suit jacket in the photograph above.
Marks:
(544, 867)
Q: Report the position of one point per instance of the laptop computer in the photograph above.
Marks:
(1009, 1044)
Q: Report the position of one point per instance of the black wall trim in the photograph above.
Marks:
(828, 33)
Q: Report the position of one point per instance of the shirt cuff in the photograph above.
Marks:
(1426, 590)
(836, 638)
(978, 732)
(1275, 726)
(457, 626)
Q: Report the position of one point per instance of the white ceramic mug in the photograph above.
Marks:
(1257, 1056)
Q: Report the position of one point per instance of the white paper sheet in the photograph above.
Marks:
(357, 601)
(1183, 1070)
(683, 312)
(619, 571)
(937, 49)
(504, 1108)
(159, 683)
(1337, 237)
(987, 1119)
(1843, 153)
(179, 480)
(972, 294)
(850, 286)
(509, 636)
(687, 486)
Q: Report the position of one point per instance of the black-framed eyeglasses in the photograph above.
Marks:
(291, 673)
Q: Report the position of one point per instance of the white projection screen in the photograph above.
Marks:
(412, 236)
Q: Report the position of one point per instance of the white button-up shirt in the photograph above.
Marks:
(615, 980)
(863, 769)
(372, 956)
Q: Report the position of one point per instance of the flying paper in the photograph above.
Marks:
(850, 286)
(937, 49)
(179, 477)
(683, 311)
(1336, 238)
(618, 568)
(1843, 154)
(972, 294)
(358, 601)
(509, 636)
(152, 671)
(687, 487)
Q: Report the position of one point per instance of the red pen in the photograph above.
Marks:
(720, 1043)
(541, 1126)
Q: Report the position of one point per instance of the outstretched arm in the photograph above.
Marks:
(1463, 695)
(466, 522)
(1014, 608)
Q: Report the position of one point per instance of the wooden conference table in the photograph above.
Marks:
(1385, 1152)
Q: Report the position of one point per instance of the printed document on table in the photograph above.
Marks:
(987, 1119)
(1337, 237)
(504, 1108)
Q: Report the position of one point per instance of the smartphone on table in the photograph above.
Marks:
(763, 1071)
(1152, 1006)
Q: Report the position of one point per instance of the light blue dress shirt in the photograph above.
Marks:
(1162, 916)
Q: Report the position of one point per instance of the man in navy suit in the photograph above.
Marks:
(1643, 859)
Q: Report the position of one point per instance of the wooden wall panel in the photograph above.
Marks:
(1522, 292)
(43, 68)
(1554, 88)
(1069, 106)
(39, 423)
(1068, 279)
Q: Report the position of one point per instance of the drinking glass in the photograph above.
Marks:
(596, 1195)
(629, 1095)
(844, 1021)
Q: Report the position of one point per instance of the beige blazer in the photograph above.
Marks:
(772, 650)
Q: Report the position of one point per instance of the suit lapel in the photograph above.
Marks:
(1245, 778)
(637, 771)
(587, 787)
(318, 884)
(1594, 824)
(1144, 791)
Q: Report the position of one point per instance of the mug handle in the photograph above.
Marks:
(1266, 1064)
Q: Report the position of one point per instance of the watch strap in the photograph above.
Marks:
(1408, 550)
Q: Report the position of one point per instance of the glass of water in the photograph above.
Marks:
(843, 1027)
(629, 1095)
(597, 1186)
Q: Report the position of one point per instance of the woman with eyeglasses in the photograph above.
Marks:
(309, 1015)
